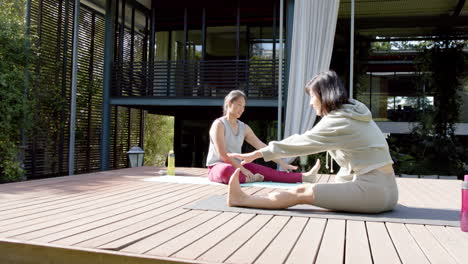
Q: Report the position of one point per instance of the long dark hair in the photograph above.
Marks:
(329, 90)
(232, 96)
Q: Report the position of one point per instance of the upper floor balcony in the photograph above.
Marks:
(207, 79)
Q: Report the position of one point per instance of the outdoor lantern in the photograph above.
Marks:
(136, 156)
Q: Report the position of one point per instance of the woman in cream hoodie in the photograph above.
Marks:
(366, 180)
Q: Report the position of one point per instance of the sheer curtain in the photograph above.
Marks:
(311, 50)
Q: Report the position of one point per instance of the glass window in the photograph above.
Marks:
(221, 42)
(261, 43)
(394, 96)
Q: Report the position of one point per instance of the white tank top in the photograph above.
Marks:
(233, 142)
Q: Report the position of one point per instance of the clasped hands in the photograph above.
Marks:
(251, 156)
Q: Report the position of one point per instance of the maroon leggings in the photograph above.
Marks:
(222, 172)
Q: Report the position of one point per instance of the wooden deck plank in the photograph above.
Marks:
(122, 237)
(69, 218)
(456, 232)
(32, 202)
(100, 236)
(277, 251)
(125, 241)
(357, 243)
(382, 248)
(249, 251)
(44, 193)
(440, 189)
(197, 248)
(86, 214)
(318, 177)
(230, 244)
(456, 248)
(406, 246)
(426, 190)
(148, 243)
(306, 248)
(178, 243)
(61, 185)
(67, 236)
(429, 245)
(332, 247)
(74, 203)
(405, 196)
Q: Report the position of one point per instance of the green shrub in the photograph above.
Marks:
(15, 107)
(159, 139)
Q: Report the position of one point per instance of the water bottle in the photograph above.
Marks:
(464, 210)
(171, 163)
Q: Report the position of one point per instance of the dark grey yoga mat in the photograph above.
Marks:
(401, 213)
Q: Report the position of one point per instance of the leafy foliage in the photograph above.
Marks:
(433, 147)
(159, 139)
(15, 107)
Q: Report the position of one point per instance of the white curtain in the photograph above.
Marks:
(311, 50)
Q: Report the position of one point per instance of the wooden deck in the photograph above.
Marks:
(116, 217)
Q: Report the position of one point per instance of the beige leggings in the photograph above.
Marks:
(373, 192)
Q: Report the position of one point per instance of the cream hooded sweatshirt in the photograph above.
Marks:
(350, 136)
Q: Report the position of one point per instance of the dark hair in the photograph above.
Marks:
(329, 89)
(232, 96)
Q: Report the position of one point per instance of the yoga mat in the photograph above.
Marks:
(401, 213)
(204, 180)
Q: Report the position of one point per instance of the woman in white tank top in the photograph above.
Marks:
(227, 134)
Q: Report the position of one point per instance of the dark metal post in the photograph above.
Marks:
(275, 17)
(132, 69)
(184, 51)
(152, 33)
(151, 47)
(237, 44)
(116, 135)
(116, 32)
(185, 71)
(202, 63)
(106, 109)
(120, 52)
(280, 73)
(238, 31)
(288, 44)
(142, 129)
(370, 92)
(145, 59)
(129, 134)
(204, 34)
(169, 65)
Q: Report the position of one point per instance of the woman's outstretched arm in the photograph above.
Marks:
(255, 142)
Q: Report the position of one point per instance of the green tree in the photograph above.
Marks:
(433, 147)
(15, 108)
(159, 138)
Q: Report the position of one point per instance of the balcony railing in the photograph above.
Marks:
(257, 78)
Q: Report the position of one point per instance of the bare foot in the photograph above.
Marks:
(257, 177)
(311, 176)
(235, 193)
